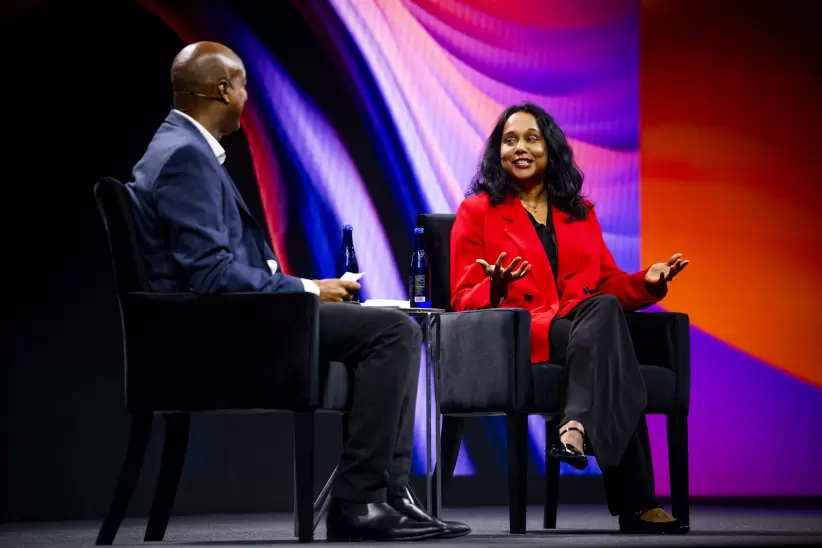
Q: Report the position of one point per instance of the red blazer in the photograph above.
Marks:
(586, 266)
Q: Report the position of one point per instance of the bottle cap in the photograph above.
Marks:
(348, 227)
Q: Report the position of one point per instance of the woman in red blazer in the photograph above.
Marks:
(527, 239)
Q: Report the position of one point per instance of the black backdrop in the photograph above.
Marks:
(86, 88)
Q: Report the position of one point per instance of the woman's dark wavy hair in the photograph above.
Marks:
(563, 178)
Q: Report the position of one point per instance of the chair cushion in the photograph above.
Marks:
(338, 386)
(660, 384)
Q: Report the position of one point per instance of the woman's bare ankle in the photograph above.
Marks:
(572, 424)
(572, 437)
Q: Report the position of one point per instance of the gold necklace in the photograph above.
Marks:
(533, 207)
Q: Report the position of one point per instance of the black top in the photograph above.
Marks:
(548, 237)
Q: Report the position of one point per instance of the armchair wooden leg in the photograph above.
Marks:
(517, 471)
(174, 455)
(678, 465)
(549, 518)
(344, 431)
(130, 472)
(450, 440)
(304, 474)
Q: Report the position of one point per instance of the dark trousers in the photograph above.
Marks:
(606, 393)
(382, 347)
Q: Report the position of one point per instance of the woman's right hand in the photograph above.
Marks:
(502, 276)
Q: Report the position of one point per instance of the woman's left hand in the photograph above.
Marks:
(661, 273)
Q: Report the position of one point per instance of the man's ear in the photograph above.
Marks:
(222, 89)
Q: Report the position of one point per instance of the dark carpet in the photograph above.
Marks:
(579, 525)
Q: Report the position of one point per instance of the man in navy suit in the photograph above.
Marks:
(198, 235)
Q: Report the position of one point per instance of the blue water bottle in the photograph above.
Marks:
(348, 257)
(419, 276)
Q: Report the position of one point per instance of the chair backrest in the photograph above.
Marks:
(114, 204)
(437, 240)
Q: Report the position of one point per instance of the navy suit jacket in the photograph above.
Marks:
(196, 232)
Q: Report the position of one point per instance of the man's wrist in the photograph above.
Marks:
(310, 287)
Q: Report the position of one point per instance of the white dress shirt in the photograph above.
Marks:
(308, 285)
(215, 145)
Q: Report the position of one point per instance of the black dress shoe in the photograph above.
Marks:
(406, 507)
(377, 521)
(633, 524)
(568, 453)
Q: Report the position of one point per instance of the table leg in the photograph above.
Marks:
(426, 337)
(437, 510)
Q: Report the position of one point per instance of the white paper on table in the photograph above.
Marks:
(387, 302)
(351, 277)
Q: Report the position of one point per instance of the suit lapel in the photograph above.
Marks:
(517, 226)
(237, 196)
(257, 229)
(180, 121)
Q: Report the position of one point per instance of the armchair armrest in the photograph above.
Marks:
(260, 348)
(664, 339)
(485, 363)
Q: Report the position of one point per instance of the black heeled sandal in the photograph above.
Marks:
(568, 453)
(633, 524)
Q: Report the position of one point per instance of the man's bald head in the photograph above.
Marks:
(202, 65)
(204, 75)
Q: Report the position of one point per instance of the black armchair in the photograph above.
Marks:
(187, 353)
(485, 369)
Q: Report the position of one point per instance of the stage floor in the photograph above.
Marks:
(579, 525)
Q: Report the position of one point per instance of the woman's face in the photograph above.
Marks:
(523, 150)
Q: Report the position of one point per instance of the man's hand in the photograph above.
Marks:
(336, 291)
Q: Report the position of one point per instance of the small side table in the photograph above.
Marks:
(430, 325)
